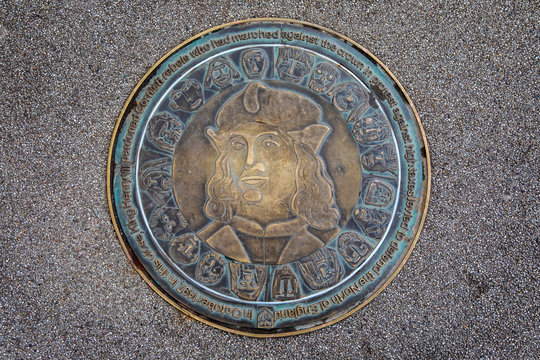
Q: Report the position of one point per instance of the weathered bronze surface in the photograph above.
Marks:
(268, 177)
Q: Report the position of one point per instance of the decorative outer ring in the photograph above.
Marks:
(135, 261)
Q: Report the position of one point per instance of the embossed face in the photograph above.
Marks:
(188, 97)
(267, 167)
(376, 159)
(164, 222)
(221, 72)
(373, 221)
(254, 63)
(362, 215)
(378, 194)
(165, 130)
(347, 97)
(323, 78)
(293, 64)
(162, 227)
(262, 165)
(292, 70)
(370, 129)
(158, 181)
(381, 158)
(352, 248)
(185, 248)
(168, 133)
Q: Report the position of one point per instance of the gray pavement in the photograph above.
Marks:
(470, 288)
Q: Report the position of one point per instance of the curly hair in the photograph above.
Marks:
(221, 190)
(314, 197)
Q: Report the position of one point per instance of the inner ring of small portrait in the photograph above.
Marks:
(266, 172)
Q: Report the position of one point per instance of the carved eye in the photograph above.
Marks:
(238, 145)
(319, 71)
(269, 144)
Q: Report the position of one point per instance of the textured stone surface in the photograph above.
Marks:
(471, 286)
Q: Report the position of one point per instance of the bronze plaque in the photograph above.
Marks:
(268, 177)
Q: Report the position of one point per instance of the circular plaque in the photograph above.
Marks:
(268, 177)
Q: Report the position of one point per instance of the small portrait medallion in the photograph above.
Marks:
(220, 72)
(293, 64)
(323, 77)
(187, 96)
(164, 130)
(379, 193)
(322, 269)
(156, 181)
(247, 280)
(353, 248)
(285, 285)
(254, 63)
(185, 248)
(380, 158)
(165, 222)
(372, 221)
(371, 129)
(348, 96)
(210, 268)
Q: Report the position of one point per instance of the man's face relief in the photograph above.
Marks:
(293, 65)
(262, 164)
(323, 78)
(254, 63)
(189, 97)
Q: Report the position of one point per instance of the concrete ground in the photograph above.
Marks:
(470, 288)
